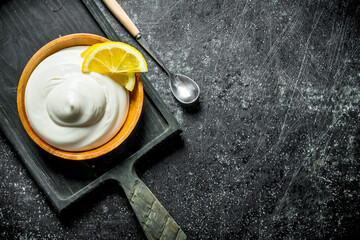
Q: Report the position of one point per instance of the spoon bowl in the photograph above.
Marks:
(184, 88)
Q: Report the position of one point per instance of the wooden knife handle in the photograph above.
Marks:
(121, 15)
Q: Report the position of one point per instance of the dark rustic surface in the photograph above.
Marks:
(272, 151)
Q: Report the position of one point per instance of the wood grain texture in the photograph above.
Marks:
(156, 221)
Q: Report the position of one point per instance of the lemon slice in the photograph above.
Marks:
(113, 58)
(126, 80)
(89, 49)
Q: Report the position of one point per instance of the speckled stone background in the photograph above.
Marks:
(272, 151)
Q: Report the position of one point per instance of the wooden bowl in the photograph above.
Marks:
(136, 99)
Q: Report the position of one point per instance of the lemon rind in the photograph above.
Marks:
(108, 45)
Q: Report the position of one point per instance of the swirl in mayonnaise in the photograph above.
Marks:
(71, 110)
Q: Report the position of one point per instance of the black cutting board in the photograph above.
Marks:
(63, 181)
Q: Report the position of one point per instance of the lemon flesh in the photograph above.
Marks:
(126, 80)
(117, 60)
(113, 58)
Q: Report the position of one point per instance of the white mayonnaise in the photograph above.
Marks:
(71, 110)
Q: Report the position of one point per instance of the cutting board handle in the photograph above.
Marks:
(153, 217)
(121, 15)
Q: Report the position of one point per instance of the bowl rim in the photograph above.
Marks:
(135, 106)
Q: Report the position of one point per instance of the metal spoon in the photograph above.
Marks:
(183, 88)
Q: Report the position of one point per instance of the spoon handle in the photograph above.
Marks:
(121, 15)
(125, 20)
